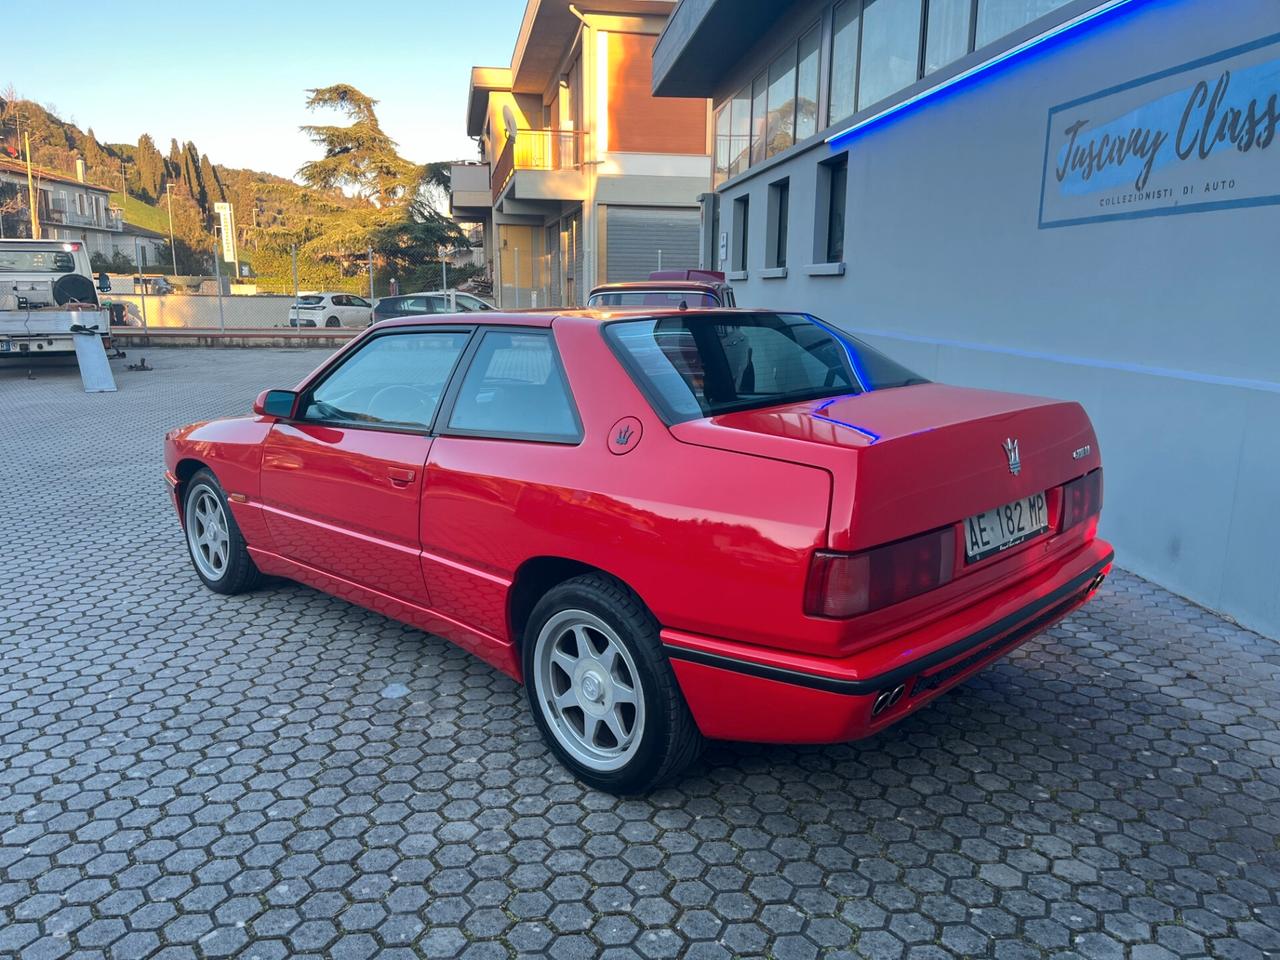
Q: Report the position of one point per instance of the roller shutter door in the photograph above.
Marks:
(634, 236)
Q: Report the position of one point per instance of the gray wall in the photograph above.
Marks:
(1167, 328)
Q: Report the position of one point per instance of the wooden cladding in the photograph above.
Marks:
(639, 122)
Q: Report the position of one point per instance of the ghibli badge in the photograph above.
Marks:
(1011, 451)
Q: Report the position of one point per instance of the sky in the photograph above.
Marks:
(232, 75)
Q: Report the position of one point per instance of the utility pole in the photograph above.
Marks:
(31, 190)
(371, 274)
(173, 248)
(217, 274)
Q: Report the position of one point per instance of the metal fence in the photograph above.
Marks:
(229, 304)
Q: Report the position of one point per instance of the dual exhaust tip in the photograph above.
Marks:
(887, 698)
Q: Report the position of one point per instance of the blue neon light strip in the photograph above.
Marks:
(978, 68)
(817, 415)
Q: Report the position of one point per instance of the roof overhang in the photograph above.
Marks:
(548, 31)
(703, 39)
(484, 81)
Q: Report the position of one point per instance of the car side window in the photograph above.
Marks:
(338, 300)
(515, 388)
(395, 380)
(357, 302)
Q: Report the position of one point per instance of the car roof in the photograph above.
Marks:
(545, 318)
(656, 285)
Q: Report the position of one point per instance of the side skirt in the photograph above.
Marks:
(491, 649)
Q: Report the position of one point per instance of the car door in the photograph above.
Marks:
(341, 483)
(509, 425)
(357, 312)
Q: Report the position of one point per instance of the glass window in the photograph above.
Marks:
(807, 84)
(780, 129)
(393, 380)
(664, 299)
(759, 91)
(35, 261)
(741, 231)
(948, 33)
(837, 173)
(514, 388)
(844, 61)
(708, 364)
(890, 48)
(998, 17)
(740, 132)
(780, 201)
(722, 144)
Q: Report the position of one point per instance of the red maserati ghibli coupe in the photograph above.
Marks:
(672, 526)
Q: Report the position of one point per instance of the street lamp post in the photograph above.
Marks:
(173, 249)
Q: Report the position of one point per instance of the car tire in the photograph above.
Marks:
(217, 548)
(623, 685)
(333, 322)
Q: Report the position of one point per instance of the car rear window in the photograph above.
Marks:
(311, 300)
(654, 298)
(704, 364)
(36, 261)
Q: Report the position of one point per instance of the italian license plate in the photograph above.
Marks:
(995, 530)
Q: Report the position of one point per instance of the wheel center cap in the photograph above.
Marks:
(591, 686)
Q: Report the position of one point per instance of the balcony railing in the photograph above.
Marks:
(537, 150)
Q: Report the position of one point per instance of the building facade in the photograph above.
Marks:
(590, 177)
(1062, 197)
(67, 208)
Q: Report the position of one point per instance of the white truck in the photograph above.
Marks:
(47, 294)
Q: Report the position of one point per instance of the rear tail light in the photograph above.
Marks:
(1082, 499)
(847, 584)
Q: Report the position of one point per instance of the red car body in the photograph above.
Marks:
(715, 523)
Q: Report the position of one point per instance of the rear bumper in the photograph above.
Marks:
(741, 692)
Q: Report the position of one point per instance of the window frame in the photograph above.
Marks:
(449, 398)
(306, 395)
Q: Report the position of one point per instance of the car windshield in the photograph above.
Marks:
(653, 298)
(705, 364)
(311, 300)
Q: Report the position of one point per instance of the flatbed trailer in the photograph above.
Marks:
(49, 331)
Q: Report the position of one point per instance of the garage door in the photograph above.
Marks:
(635, 235)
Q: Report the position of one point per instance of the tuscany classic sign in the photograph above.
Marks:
(1202, 136)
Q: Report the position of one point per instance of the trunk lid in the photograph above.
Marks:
(910, 459)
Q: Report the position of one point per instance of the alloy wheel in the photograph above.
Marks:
(208, 533)
(588, 689)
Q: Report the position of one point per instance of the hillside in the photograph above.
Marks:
(272, 213)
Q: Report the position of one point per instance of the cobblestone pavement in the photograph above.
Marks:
(184, 774)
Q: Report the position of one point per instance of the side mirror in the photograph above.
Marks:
(276, 403)
(104, 283)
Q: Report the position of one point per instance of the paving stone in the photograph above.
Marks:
(283, 774)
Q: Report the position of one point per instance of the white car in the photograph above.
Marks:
(330, 310)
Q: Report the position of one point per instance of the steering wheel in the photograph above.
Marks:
(400, 403)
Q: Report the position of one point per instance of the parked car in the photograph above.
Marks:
(428, 303)
(330, 310)
(672, 289)
(686, 525)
